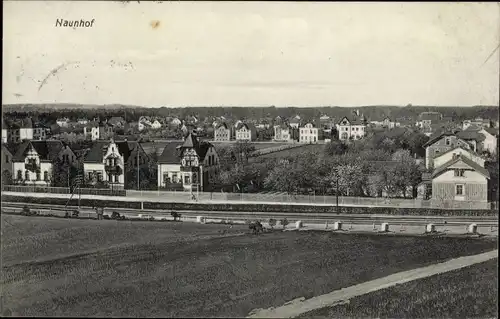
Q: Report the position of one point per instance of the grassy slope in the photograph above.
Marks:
(471, 292)
(179, 269)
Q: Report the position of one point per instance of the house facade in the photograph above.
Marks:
(222, 133)
(484, 123)
(426, 119)
(447, 156)
(442, 143)
(5, 134)
(294, 122)
(21, 130)
(155, 125)
(458, 182)
(308, 134)
(282, 133)
(63, 122)
(91, 131)
(40, 132)
(351, 129)
(187, 166)
(245, 132)
(34, 161)
(106, 162)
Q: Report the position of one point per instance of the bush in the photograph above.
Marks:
(116, 215)
(284, 222)
(272, 222)
(255, 207)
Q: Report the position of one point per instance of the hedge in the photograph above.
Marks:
(254, 207)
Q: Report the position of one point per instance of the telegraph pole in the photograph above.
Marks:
(138, 166)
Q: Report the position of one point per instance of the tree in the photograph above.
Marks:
(335, 147)
(63, 173)
(406, 172)
(272, 222)
(6, 178)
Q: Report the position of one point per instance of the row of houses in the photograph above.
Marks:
(455, 161)
(186, 165)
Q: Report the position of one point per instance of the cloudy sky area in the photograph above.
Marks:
(283, 54)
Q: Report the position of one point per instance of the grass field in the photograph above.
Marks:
(294, 151)
(471, 292)
(66, 267)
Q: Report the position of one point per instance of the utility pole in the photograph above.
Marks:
(137, 166)
(337, 191)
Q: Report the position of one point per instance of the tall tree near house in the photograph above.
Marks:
(335, 147)
(407, 173)
(352, 179)
(63, 173)
(6, 178)
(242, 150)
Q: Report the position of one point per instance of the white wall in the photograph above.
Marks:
(4, 135)
(44, 167)
(169, 169)
(25, 134)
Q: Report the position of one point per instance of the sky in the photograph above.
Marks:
(252, 54)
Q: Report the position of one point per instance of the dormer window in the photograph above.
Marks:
(447, 141)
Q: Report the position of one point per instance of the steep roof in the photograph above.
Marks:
(223, 124)
(248, 126)
(98, 150)
(116, 119)
(459, 147)
(47, 150)
(171, 153)
(492, 131)
(294, 120)
(471, 135)
(441, 169)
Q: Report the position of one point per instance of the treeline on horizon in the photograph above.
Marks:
(50, 112)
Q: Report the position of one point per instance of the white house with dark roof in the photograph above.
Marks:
(34, 161)
(187, 165)
(283, 133)
(426, 119)
(351, 128)
(107, 161)
(5, 134)
(245, 132)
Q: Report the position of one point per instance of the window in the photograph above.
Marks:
(459, 173)
(45, 176)
(19, 174)
(6, 158)
(27, 175)
(116, 179)
(187, 179)
(109, 178)
(447, 141)
(459, 190)
(99, 176)
(37, 175)
(166, 179)
(175, 179)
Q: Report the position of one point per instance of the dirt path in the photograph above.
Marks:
(300, 306)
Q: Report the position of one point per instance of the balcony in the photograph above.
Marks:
(32, 166)
(113, 169)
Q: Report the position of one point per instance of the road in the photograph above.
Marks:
(400, 224)
(300, 306)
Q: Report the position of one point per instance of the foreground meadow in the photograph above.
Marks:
(471, 292)
(64, 267)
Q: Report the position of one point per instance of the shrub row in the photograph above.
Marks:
(73, 202)
(256, 207)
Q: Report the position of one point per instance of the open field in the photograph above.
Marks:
(471, 292)
(258, 146)
(65, 267)
(294, 151)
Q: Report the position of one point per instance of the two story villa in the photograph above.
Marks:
(222, 133)
(351, 129)
(245, 132)
(441, 143)
(308, 134)
(34, 161)
(187, 166)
